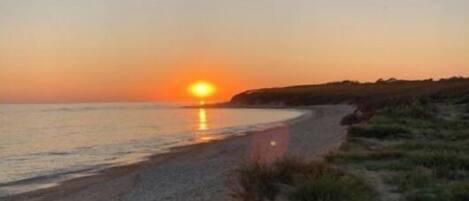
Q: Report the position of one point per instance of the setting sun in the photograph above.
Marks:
(202, 89)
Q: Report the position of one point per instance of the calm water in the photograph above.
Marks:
(43, 144)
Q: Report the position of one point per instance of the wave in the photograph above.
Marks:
(40, 178)
(145, 140)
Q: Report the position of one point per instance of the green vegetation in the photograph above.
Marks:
(296, 180)
(369, 97)
(410, 139)
(421, 151)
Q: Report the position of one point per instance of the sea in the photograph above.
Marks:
(42, 145)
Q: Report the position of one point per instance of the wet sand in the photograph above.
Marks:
(200, 172)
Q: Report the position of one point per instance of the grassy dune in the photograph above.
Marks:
(416, 157)
(297, 180)
(408, 140)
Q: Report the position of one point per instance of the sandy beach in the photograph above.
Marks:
(200, 172)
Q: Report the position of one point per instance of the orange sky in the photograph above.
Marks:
(149, 50)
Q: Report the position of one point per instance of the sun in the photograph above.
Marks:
(202, 89)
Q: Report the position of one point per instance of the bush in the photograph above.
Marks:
(296, 180)
(254, 182)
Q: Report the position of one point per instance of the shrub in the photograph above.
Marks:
(254, 183)
(297, 180)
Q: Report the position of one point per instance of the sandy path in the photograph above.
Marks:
(200, 172)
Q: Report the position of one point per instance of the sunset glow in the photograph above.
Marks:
(202, 89)
(103, 84)
(123, 50)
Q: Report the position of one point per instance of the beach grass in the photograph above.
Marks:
(408, 140)
(418, 151)
(297, 180)
(423, 151)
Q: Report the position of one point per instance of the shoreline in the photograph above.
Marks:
(169, 172)
(54, 181)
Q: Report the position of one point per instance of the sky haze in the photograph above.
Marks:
(134, 50)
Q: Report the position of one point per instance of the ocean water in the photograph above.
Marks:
(42, 144)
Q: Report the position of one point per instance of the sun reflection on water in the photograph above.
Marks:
(202, 135)
(202, 120)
